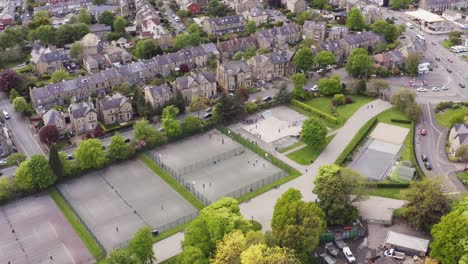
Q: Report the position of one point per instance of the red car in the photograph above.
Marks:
(450, 60)
(424, 82)
(423, 132)
(411, 83)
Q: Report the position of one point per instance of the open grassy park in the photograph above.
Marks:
(308, 154)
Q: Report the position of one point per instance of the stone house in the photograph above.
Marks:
(56, 118)
(464, 39)
(190, 5)
(157, 96)
(371, 13)
(83, 117)
(117, 56)
(458, 137)
(337, 32)
(228, 48)
(224, 25)
(314, 30)
(335, 47)
(233, 74)
(5, 142)
(46, 60)
(196, 85)
(366, 40)
(439, 6)
(296, 6)
(257, 15)
(115, 109)
(272, 65)
(390, 59)
(91, 43)
(152, 28)
(245, 5)
(278, 37)
(100, 30)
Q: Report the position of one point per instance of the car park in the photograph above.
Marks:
(435, 89)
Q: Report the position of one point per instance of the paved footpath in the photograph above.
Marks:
(260, 208)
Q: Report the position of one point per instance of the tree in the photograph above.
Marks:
(462, 153)
(251, 27)
(457, 119)
(330, 86)
(263, 254)
(13, 94)
(450, 235)
(283, 96)
(320, 4)
(359, 63)
(412, 62)
(388, 30)
(118, 149)
(142, 246)
(59, 75)
(20, 105)
(44, 34)
(91, 154)
(198, 103)
(9, 79)
(107, 18)
(425, 204)
(146, 49)
(192, 39)
(77, 50)
(99, 2)
(377, 86)
(302, 17)
(119, 25)
(38, 21)
(34, 174)
(122, 255)
(6, 189)
(217, 9)
(191, 124)
(229, 249)
(54, 162)
(15, 159)
(399, 4)
(337, 190)
(325, 58)
(303, 60)
(299, 80)
(169, 123)
(49, 134)
(192, 255)
(227, 109)
(355, 19)
(179, 102)
(403, 98)
(84, 17)
(288, 197)
(142, 130)
(68, 166)
(313, 132)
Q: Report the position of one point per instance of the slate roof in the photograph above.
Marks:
(79, 110)
(160, 91)
(314, 25)
(51, 117)
(237, 44)
(359, 38)
(185, 82)
(99, 28)
(233, 68)
(330, 45)
(273, 34)
(220, 21)
(111, 102)
(283, 56)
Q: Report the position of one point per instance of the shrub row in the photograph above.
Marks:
(413, 158)
(360, 135)
(115, 128)
(388, 185)
(315, 111)
(400, 121)
(449, 105)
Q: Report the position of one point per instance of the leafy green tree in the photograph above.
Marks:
(13, 36)
(99, 2)
(251, 27)
(425, 204)
(107, 18)
(192, 255)
(299, 80)
(119, 25)
(122, 255)
(70, 33)
(118, 149)
(59, 75)
(450, 235)
(325, 58)
(251, 107)
(283, 96)
(198, 103)
(191, 124)
(403, 98)
(54, 162)
(13, 94)
(261, 253)
(227, 109)
(20, 105)
(314, 132)
(15, 159)
(302, 17)
(44, 34)
(146, 49)
(412, 61)
(169, 123)
(337, 190)
(330, 86)
(457, 119)
(77, 50)
(34, 174)
(399, 4)
(84, 17)
(40, 14)
(462, 153)
(388, 30)
(142, 246)
(359, 63)
(6, 189)
(303, 60)
(217, 9)
(229, 249)
(39, 21)
(377, 86)
(143, 130)
(355, 19)
(320, 4)
(91, 154)
(68, 166)
(192, 39)
(288, 197)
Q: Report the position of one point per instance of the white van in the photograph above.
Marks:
(349, 255)
(409, 25)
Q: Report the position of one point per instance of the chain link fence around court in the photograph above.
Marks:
(258, 184)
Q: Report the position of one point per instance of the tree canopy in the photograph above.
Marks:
(84, 17)
(330, 86)
(59, 75)
(77, 50)
(303, 60)
(299, 80)
(9, 79)
(107, 18)
(169, 122)
(118, 149)
(142, 246)
(143, 130)
(91, 154)
(359, 63)
(49, 134)
(325, 58)
(34, 174)
(355, 19)
(146, 49)
(314, 131)
(119, 25)
(20, 105)
(251, 27)
(262, 254)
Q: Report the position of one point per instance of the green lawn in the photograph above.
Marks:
(394, 193)
(329, 124)
(306, 155)
(344, 112)
(295, 145)
(79, 228)
(443, 118)
(447, 44)
(463, 176)
(393, 113)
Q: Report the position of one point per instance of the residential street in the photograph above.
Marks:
(261, 207)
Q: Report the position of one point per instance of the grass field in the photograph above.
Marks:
(463, 176)
(308, 154)
(295, 145)
(394, 193)
(443, 118)
(344, 112)
(79, 228)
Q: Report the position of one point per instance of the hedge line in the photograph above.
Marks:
(314, 110)
(388, 185)
(116, 128)
(362, 133)
(400, 121)
(413, 158)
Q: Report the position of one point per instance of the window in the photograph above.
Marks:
(110, 111)
(112, 119)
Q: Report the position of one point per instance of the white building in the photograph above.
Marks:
(429, 22)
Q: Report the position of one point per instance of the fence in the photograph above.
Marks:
(81, 221)
(257, 185)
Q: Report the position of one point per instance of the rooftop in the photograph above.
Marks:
(424, 15)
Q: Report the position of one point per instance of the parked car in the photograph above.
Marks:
(340, 243)
(435, 89)
(395, 254)
(127, 140)
(437, 58)
(319, 71)
(267, 98)
(314, 88)
(263, 82)
(424, 158)
(70, 157)
(327, 259)
(349, 255)
(209, 109)
(450, 60)
(420, 89)
(461, 85)
(428, 166)
(2, 162)
(424, 82)
(6, 114)
(423, 132)
(444, 88)
(332, 249)
(207, 115)
(449, 70)
(433, 43)
(411, 83)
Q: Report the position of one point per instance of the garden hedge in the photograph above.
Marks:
(400, 121)
(315, 111)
